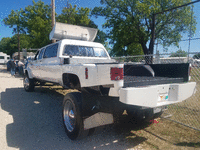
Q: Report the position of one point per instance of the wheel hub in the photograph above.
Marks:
(69, 116)
(26, 82)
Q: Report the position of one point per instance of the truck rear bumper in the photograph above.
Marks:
(157, 95)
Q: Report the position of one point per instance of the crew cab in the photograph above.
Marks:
(105, 88)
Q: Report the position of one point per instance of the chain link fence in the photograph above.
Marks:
(188, 111)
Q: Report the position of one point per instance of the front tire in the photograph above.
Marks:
(72, 116)
(29, 84)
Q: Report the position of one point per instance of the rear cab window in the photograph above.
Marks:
(86, 51)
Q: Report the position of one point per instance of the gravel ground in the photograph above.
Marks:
(33, 121)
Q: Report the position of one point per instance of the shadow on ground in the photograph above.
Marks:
(37, 124)
(189, 144)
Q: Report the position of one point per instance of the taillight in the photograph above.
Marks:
(116, 73)
(86, 73)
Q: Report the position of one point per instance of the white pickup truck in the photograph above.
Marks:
(105, 88)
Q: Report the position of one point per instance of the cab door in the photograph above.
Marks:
(33, 65)
(50, 64)
(39, 62)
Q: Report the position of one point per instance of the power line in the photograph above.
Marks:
(177, 7)
(191, 39)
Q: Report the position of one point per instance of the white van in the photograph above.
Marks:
(4, 58)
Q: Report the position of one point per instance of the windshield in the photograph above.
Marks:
(84, 51)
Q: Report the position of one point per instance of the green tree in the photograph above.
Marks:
(76, 16)
(5, 44)
(10, 45)
(196, 56)
(15, 21)
(179, 53)
(130, 50)
(80, 16)
(37, 22)
(130, 22)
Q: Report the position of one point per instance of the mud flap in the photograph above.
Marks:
(98, 119)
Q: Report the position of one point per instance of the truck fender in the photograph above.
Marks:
(29, 72)
(71, 81)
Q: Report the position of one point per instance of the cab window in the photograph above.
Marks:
(41, 53)
(71, 50)
(84, 51)
(36, 55)
(51, 51)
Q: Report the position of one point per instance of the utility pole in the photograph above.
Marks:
(53, 15)
(190, 34)
(18, 37)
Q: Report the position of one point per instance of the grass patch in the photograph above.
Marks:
(188, 111)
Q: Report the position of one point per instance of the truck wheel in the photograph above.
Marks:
(72, 116)
(28, 84)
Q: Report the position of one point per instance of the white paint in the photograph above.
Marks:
(68, 31)
(180, 92)
(5, 59)
(150, 96)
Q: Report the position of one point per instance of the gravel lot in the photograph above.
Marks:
(33, 121)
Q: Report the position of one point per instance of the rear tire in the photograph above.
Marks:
(72, 116)
(29, 84)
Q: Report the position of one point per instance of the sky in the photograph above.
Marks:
(7, 5)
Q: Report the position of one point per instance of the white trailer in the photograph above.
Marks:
(4, 58)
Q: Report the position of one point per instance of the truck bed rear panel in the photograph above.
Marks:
(155, 74)
(156, 85)
(135, 81)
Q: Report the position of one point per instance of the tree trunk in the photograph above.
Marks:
(148, 57)
(151, 44)
(18, 46)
